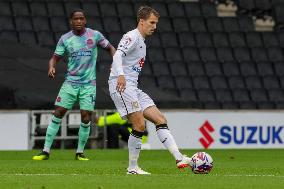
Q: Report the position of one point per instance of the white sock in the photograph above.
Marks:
(134, 147)
(168, 140)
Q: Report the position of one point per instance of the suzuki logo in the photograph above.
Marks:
(206, 129)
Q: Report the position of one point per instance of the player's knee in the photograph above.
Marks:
(161, 120)
(85, 117)
(139, 125)
(59, 113)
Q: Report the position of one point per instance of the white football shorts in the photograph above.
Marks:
(131, 100)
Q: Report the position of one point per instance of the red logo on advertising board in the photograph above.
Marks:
(207, 139)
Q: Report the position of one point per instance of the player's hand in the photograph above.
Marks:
(121, 83)
(51, 72)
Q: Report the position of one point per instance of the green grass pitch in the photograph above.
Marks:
(238, 169)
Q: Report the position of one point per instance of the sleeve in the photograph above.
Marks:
(102, 41)
(127, 43)
(60, 48)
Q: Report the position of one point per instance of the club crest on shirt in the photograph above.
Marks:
(135, 105)
(90, 43)
(58, 99)
(127, 40)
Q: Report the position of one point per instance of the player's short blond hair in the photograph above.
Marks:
(144, 12)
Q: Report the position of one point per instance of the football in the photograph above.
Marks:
(202, 163)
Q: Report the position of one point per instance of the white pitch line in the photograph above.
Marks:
(75, 174)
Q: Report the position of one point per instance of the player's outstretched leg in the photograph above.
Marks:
(83, 133)
(51, 132)
(134, 147)
(168, 141)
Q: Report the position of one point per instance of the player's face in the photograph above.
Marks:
(150, 25)
(78, 21)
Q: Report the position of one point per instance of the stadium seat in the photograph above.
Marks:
(74, 120)
(156, 55)
(192, 9)
(259, 95)
(206, 95)
(55, 9)
(45, 38)
(231, 24)
(180, 24)
(166, 82)
(169, 39)
(44, 120)
(259, 54)
(281, 39)
(254, 39)
(183, 82)
(253, 82)
(108, 9)
(276, 95)
(219, 82)
(164, 25)
(5, 9)
(177, 68)
(154, 41)
(214, 24)
(230, 69)
(23, 24)
(241, 95)
(38, 9)
(190, 55)
(70, 6)
(147, 70)
(196, 69)
(208, 54)
(20, 9)
(275, 54)
(173, 54)
(236, 82)
(242, 54)
(147, 81)
(161, 8)
(186, 39)
(197, 24)
(270, 39)
(248, 69)
(128, 23)
(271, 82)
(213, 69)
(237, 39)
(265, 69)
(8, 36)
(223, 96)
(27, 37)
(203, 39)
(279, 69)
(59, 24)
(225, 55)
(111, 24)
(176, 9)
(246, 23)
(6, 23)
(125, 9)
(220, 39)
(201, 82)
(95, 23)
(246, 6)
(41, 23)
(91, 9)
(114, 38)
(208, 10)
(160, 68)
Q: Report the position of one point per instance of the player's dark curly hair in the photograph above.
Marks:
(144, 12)
(76, 10)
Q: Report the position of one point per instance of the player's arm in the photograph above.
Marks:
(117, 67)
(111, 49)
(52, 65)
(105, 44)
(58, 54)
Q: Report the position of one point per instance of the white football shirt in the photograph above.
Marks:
(133, 47)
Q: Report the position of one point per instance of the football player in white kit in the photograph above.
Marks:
(132, 102)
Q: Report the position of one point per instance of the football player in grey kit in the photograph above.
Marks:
(132, 102)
